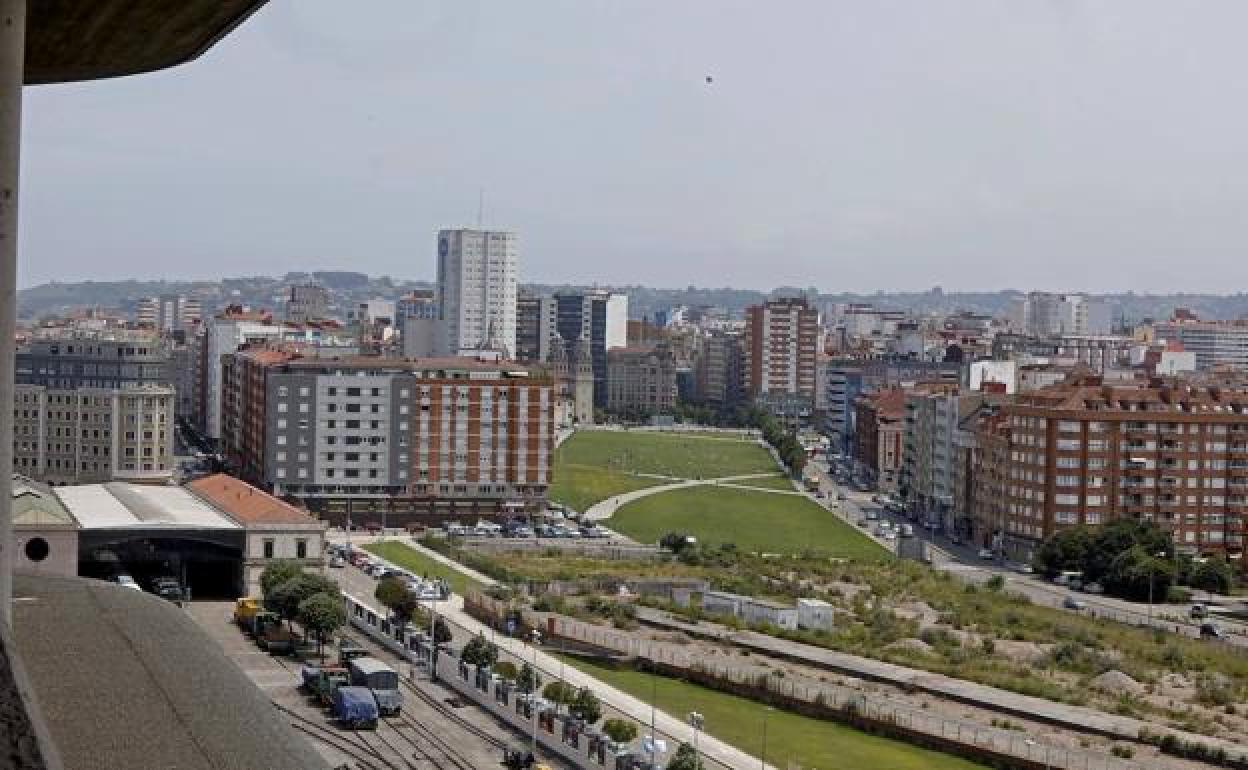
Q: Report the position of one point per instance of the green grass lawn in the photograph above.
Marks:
(755, 521)
(664, 454)
(419, 564)
(791, 738)
(580, 486)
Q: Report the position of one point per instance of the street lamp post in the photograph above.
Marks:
(536, 637)
(762, 760)
(696, 721)
(1151, 570)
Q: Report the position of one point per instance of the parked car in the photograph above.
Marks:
(1071, 603)
(337, 562)
(1198, 611)
(987, 554)
(167, 588)
(125, 580)
(1210, 631)
(907, 530)
(1094, 588)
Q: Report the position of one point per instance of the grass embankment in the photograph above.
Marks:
(580, 486)
(753, 521)
(419, 564)
(792, 740)
(663, 454)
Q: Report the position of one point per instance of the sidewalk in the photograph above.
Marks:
(605, 509)
(635, 708)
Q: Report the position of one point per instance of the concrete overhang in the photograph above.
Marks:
(68, 40)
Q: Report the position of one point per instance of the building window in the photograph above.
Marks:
(301, 549)
(268, 549)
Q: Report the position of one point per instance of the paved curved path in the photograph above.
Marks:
(605, 509)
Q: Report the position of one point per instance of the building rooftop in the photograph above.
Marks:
(119, 505)
(249, 506)
(36, 505)
(126, 680)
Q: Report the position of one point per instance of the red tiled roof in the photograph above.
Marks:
(246, 504)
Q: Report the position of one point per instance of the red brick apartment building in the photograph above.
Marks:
(427, 438)
(781, 342)
(1084, 452)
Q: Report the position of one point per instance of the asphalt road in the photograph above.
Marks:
(965, 561)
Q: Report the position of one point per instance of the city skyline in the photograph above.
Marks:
(977, 148)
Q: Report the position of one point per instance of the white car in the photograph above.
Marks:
(127, 581)
(986, 553)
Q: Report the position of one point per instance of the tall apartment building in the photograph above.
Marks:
(1044, 314)
(94, 406)
(1215, 343)
(1084, 452)
(168, 312)
(600, 320)
(781, 343)
(476, 293)
(433, 437)
(931, 452)
(221, 336)
(307, 302)
(845, 379)
(641, 381)
(537, 332)
(719, 371)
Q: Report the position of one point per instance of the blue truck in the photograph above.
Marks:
(354, 707)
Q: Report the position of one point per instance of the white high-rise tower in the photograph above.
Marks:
(477, 290)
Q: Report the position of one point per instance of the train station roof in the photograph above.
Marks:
(68, 40)
(128, 680)
(251, 507)
(120, 505)
(36, 505)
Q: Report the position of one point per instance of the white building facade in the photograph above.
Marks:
(476, 292)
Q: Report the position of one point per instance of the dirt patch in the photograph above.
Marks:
(1117, 683)
(911, 645)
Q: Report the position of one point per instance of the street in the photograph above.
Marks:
(964, 560)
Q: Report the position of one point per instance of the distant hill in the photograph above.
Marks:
(347, 287)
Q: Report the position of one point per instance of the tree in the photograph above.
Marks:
(1213, 575)
(479, 652)
(1137, 573)
(286, 597)
(620, 730)
(393, 594)
(277, 573)
(322, 614)
(507, 670)
(559, 693)
(685, 759)
(585, 705)
(441, 631)
(528, 680)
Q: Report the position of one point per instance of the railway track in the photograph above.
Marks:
(351, 744)
(450, 713)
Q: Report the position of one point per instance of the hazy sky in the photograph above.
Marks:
(1063, 144)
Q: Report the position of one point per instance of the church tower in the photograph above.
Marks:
(583, 384)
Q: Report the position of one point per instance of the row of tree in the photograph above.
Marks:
(1131, 559)
(579, 701)
(308, 598)
(783, 440)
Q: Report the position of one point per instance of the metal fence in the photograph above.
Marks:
(1003, 741)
